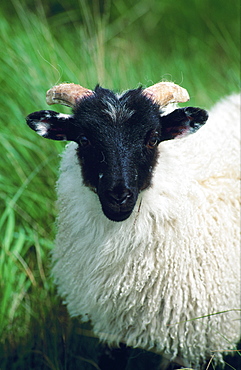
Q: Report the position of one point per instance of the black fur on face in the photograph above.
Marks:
(117, 147)
(117, 140)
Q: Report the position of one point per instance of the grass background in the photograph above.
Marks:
(119, 44)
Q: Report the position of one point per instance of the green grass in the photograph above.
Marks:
(120, 45)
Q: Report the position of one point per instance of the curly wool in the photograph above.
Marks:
(169, 276)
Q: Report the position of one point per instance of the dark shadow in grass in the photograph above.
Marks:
(61, 343)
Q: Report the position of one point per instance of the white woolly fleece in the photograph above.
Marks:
(147, 281)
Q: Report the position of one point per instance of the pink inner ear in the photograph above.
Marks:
(183, 131)
(178, 131)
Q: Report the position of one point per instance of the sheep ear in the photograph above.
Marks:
(52, 125)
(182, 122)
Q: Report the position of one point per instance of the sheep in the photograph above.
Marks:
(147, 246)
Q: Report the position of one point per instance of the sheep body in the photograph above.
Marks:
(147, 281)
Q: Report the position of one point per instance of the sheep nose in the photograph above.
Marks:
(119, 195)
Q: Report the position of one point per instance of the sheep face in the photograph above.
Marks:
(117, 148)
(117, 139)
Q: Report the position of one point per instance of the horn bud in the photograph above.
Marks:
(164, 93)
(66, 94)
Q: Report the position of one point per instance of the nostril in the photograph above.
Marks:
(119, 195)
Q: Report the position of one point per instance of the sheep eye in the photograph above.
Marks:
(84, 141)
(152, 140)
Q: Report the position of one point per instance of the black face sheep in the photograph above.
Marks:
(148, 228)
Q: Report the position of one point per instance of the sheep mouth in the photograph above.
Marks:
(117, 205)
(117, 215)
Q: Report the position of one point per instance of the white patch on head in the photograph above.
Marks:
(63, 116)
(169, 108)
(101, 175)
(47, 114)
(42, 128)
(117, 112)
(57, 116)
(111, 111)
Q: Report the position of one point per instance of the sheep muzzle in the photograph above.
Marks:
(118, 201)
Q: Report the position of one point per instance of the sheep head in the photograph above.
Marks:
(117, 136)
